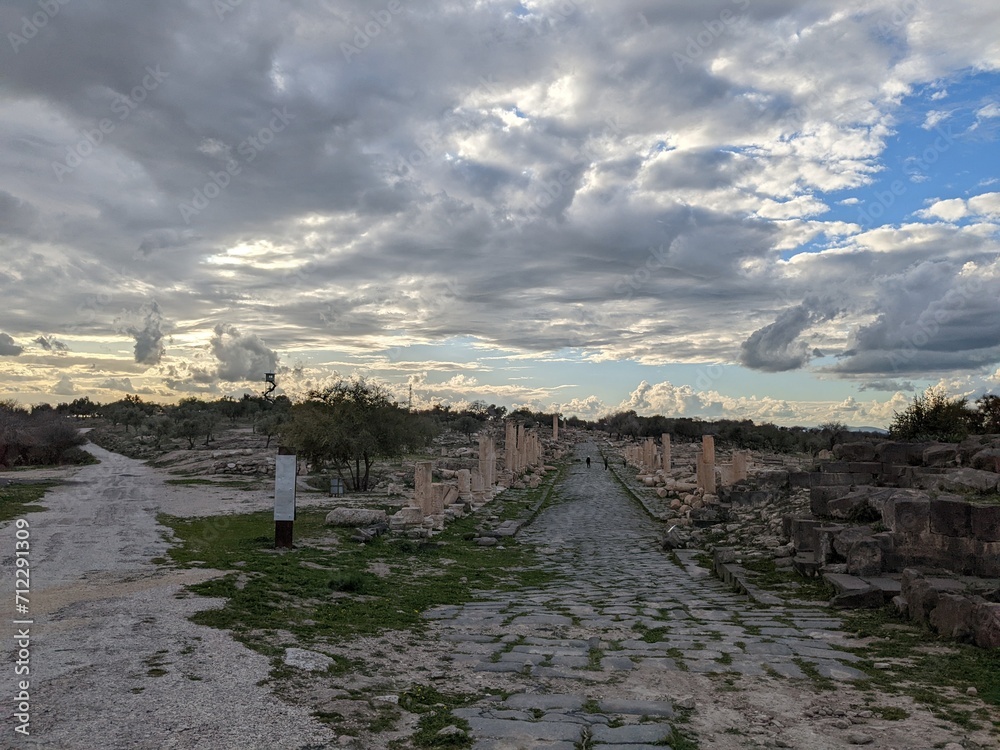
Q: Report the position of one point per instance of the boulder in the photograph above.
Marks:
(355, 517)
(847, 538)
(965, 480)
(954, 616)
(987, 460)
(986, 624)
(902, 454)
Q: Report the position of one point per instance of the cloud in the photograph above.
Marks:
(117, 384)
(148, 335)
(949, 210)
(886, 385)
(50, 344)
(241, 356)
(775, 347)
(64, 387)
(8, 347)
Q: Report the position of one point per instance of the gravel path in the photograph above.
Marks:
(115, 663)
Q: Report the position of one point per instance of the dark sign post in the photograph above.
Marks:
(284, 497)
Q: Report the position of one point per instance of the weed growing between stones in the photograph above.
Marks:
(437, 725)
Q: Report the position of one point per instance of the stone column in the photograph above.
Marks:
(438, 491)
(522, 448)
(486, 458)
(665, 441)
(509, 444)
(707, 464)
(555, 427)
(422, 476)
(478, 491)
(739, 466)
(464, 477)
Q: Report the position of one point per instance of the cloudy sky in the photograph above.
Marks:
(774, 209)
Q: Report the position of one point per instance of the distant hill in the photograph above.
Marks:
(879, 430)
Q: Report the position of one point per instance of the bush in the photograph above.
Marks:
(934, 416)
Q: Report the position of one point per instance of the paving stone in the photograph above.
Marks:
(636, 707)
(525, 730)
(630, 734)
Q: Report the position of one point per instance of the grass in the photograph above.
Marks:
(933, 672)
(322, 592)
(18, 499)
(435, 711)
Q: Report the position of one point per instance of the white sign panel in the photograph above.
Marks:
(284, 488)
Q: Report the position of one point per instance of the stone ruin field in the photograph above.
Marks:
(499, 593)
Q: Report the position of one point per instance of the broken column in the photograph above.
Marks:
(422, 478)
(555, 427)
(739, 466)
(464, 477)
(665, 460)
(706, 465)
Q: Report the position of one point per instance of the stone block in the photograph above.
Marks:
(941, 455)
(902, 454)
(950, 516)
(987, 625)
(984, 521)
(987, 559)
(864, 558)
(966, 480)
(852, 504)
(954, 616)
(835, 477)
(804, 535)
(987, 459)
(910, 515)
(857, 451)
(820, 496)
(355, 517)
(844, 537)
(853, 592)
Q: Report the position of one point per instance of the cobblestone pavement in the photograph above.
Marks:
(619, 606)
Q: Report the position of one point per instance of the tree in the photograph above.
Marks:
(270, 425)
(988, 408)
(189, 429)
(933, 416)
(352, 424)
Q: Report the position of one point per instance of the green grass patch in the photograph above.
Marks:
(324, 591)
(435, 710)
(18, 499)
(935, 673)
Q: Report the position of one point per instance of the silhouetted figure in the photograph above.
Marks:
(588, 462)
(605, 463)
(624, 463)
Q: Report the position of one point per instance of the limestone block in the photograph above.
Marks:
(864, 558)
(985, 522)
(987, 460)
(355, 517)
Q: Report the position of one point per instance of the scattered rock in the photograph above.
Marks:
(311, 661)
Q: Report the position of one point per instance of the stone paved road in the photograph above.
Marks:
(620, 606)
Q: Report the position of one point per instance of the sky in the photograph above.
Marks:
(777, 210)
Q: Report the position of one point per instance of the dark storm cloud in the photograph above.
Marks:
(8, 347)
(50, 344)
(776, 347)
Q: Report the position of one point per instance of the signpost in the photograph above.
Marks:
(284, 497)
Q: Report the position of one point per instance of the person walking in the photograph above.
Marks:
(588, 462)
(605, 463)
